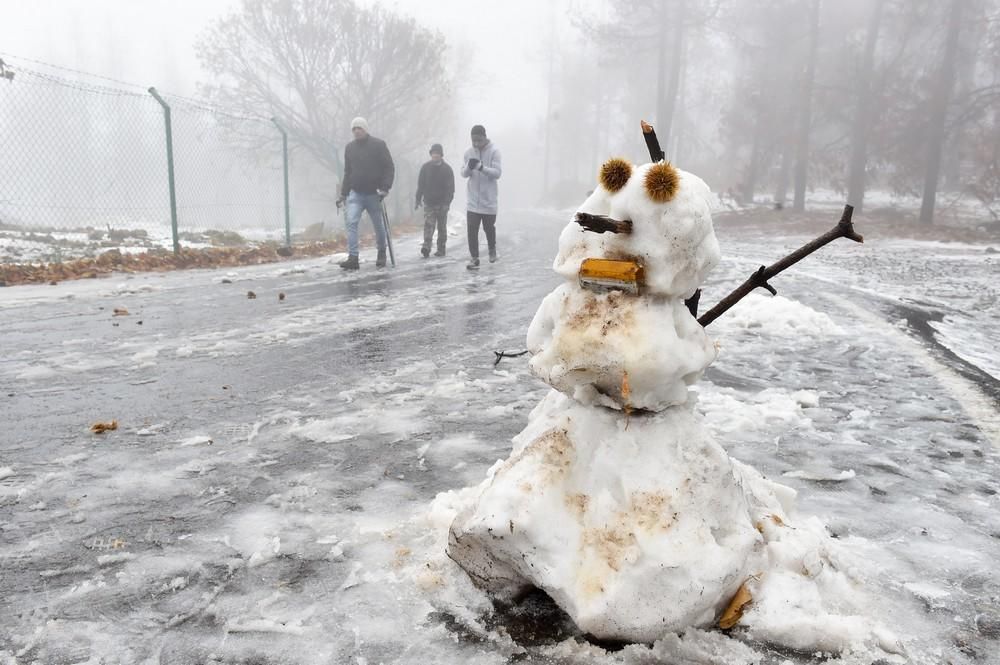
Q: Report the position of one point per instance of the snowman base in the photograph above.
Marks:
(634, 526)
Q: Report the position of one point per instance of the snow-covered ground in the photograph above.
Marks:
(20, 245)
(269, 496)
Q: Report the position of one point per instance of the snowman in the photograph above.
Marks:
(615, 500)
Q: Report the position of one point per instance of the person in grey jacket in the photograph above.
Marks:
(482, 166)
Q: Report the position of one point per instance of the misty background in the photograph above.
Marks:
(775, 102)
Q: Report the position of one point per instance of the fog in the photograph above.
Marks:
(235, 433)
(153, 43)
(769, 102)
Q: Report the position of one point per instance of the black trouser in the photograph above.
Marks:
(472, 220)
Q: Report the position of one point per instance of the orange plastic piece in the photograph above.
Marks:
(610, 275)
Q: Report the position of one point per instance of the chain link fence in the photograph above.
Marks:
(86, 166)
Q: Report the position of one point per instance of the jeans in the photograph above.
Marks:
(435, 217)
(356, 204)
(472, 221)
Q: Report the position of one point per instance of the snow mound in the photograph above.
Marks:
(646, 528)
(777, 316)
(610, 522)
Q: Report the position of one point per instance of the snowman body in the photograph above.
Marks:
(615, 499)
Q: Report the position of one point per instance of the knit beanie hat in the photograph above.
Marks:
(478, 130)
(436, 149)
(359, 122)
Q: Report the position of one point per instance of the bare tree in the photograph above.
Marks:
(863, 112)
(315, 64)
(660, 27)
(939, 110)
(805, 112)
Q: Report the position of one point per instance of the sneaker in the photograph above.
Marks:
(473, 264)
(424, 252)
(380, 261)
(439, 253)
(493, 256)
(351, 263)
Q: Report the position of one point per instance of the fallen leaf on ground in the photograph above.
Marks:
(120, 311)
(101, 428)
(251, 295)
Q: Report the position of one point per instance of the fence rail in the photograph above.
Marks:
(88, 164)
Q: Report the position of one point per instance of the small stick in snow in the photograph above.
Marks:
(507, 354)
(602, 223)
(843, 229)
(656, 153)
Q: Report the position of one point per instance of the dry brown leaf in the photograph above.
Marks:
(120, 311)
(101, 428)
(774, 518)
(734, 611)
(281, 296)
(251, 295)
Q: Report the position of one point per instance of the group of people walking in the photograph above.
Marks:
(369, 173)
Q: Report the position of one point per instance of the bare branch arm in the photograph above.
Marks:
(843, 229)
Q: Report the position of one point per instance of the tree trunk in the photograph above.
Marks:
(784, 175)
(805, 112)
(750, 179)
(939, 111)
(661, 61)
(669, 93)
(548, 105)
(682, 120)
(863, 114)
(967, 62)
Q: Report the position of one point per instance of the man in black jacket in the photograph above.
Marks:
(368, 175)
(435, 190)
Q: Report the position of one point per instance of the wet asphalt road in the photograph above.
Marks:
(316, 403)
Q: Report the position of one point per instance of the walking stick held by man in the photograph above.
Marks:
(388, 235)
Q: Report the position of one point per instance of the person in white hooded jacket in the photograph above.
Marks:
(482, 166)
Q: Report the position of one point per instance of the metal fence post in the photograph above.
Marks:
(284, 152)
(170, 169)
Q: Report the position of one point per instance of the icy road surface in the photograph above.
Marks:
(265, 496)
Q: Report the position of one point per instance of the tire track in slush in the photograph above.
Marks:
(976, 391)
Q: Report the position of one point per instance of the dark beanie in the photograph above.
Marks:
(478, 130)
(436, 148)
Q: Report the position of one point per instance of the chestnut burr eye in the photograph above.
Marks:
(662, 181)
(615, 174)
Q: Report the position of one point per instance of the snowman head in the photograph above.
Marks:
(670, 231)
